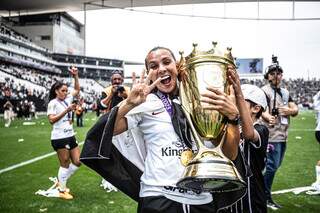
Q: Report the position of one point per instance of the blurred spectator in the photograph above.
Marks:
(79, 112)
(8, 107)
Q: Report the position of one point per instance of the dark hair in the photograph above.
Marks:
(116, 72)
(158, 48)
(54, 87)
(252, 104)
(271, 68)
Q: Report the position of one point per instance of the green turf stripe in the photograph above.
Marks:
(29, 161)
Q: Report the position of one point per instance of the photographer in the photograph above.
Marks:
(277, 119)
(115, 93)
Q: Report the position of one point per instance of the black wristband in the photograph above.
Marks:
(235, 121)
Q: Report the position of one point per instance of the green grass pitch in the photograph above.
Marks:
(18, 186)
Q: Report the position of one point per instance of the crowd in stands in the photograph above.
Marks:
(33, 85)
(30, 87)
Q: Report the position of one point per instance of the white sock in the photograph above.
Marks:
(318, 174)
(72, 169)
(63, 177)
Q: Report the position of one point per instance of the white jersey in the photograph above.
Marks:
(163, 168)
(63, 127)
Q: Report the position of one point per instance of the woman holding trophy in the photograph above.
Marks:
(151, 106)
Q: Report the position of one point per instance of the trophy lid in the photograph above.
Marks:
(215, 54)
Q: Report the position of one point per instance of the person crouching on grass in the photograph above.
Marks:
(251, 102)
(63, 140)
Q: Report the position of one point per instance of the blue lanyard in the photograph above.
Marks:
(68, 114)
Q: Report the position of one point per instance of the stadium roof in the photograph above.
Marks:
(8, 7)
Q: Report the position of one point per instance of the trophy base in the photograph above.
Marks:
(216, 175)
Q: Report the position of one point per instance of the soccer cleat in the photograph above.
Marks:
(58, 185)
(65, 195)
(60, 188)
(273, 205)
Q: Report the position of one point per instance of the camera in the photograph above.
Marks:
(120, 89)
(75, 101)
(275, 112)
(275, 60)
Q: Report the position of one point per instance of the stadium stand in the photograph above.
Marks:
(29, 70)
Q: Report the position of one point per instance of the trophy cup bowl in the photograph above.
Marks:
(209, 170)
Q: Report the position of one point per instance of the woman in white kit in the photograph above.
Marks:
(63, 140)
(163, 168)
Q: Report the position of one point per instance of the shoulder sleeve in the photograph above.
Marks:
(133, 120)
(51, 108)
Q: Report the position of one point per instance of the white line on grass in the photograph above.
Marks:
(29, 161)
(296, 190)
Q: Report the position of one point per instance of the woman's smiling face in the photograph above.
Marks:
(163, 65)
(62, 92)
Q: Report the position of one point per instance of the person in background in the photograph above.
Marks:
(115, 93)
(63, 138)
(79, 112)
(8, 107)
(277, 118)
(251, 102)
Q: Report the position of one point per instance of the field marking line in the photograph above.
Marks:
(296, 190)
(30, 161)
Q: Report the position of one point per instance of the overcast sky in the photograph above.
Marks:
(129, 35)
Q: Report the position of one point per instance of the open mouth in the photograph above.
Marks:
(166, 79)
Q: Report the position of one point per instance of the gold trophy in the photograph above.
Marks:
(209, 170)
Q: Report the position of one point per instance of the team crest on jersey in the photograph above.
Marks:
(179, 144)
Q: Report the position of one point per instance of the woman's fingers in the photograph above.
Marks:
(211, 104)
(215, 90)
(232, 91)
(149, 77)
(142, 76)
(154, 84)
(134, 78)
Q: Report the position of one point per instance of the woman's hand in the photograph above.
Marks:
(71, 107)
(217, 100)
(73, 71)
(141, 88)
